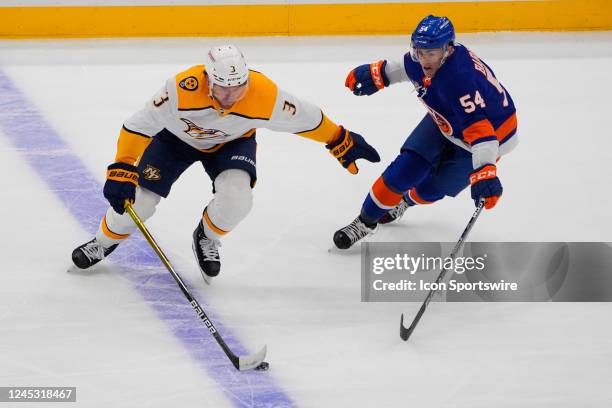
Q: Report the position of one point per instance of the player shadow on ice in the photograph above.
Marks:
(97, 270)
(403, 231)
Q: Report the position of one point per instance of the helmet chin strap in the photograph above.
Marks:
(212, 96)
(445, 55)
(210, 85)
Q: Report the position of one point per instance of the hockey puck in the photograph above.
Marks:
(263, 366)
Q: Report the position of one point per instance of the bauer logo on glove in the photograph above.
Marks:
(121, 182)
(344, 145)
(123, 176)
(349, 147)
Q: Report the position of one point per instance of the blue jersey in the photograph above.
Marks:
(465, 99)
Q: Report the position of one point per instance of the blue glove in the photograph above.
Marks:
(485, 184)
(367, 79)
(348, 147)
(121, 182)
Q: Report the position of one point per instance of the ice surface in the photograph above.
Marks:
(105, 332)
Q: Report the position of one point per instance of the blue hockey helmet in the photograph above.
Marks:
(433, 32)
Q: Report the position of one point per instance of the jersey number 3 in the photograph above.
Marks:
(469, 105)
(289, 107)
(157, 102)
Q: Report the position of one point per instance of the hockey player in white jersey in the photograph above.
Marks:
(208, 113)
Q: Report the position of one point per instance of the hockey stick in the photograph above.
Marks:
(405, 332)
(241, 363)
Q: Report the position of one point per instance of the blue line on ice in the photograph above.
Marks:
(42, 147)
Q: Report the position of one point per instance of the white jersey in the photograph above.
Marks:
(183, 106)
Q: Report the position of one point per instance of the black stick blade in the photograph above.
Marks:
(404, 332)
(252, 361)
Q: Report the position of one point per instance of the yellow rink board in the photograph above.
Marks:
(299, 19)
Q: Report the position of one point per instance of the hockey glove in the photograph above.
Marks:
(485, 184)
(349, 147)
(121, 182)
(367, 79)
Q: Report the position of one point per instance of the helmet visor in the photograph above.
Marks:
(417, 53)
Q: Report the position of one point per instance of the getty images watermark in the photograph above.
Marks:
(500, 271)
(413, 264)
(407, 272)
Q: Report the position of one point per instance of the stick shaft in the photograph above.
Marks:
(194, 303)
(406, 332)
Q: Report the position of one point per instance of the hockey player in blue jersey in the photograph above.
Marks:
(470, 123)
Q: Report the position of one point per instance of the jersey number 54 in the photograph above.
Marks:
(469, 105)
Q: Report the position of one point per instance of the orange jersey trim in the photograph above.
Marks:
(507, 127)
(478, 130)
(130, 146)
(193, 94)
(192, 89)
(259, 101)
(484, 128)
(325, 132)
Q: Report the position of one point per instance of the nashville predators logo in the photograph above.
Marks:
(151, 173)
(189, 83)
(199, 133)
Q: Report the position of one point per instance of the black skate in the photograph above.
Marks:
(206, 252)
(90, 253)
(345, 237)
(396, 212)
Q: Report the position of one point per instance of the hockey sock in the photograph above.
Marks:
(232, 203)
(115, 227)
(407, 170)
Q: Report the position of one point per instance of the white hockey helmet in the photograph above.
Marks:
(225, 66)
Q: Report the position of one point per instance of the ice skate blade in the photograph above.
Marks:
(207, 279)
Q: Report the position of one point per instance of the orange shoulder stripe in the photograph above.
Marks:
(259, 101)
(478, 130)
(192, 89)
